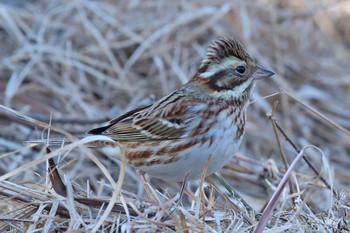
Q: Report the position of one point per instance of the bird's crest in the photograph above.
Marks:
(224, 48)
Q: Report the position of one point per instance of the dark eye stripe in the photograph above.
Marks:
(218, 75)
(222, 75)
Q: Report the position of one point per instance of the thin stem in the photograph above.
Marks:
(284, 159)
(298, 151)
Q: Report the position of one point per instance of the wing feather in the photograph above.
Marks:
(166, 119)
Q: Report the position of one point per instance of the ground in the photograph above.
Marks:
(73, 65)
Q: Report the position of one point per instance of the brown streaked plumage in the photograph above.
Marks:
(175, 135)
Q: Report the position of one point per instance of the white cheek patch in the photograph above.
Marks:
(223, 65)
(235, 92)
(241, 88)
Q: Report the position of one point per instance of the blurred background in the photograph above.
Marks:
(88, 61)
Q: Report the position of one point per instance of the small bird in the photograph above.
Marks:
(205, 117)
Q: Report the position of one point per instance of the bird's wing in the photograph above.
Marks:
(166, 119)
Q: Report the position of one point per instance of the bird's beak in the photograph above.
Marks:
(261, 73)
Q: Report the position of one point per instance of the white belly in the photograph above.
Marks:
(192, 160)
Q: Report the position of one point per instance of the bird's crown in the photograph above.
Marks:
(224, 48)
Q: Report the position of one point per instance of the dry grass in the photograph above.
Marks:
(88, 61)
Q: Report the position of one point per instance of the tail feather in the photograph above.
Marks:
(65, 141)
(98, 131)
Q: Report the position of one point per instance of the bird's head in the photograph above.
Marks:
(227, 68)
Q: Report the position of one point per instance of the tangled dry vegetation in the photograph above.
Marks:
(72, 65)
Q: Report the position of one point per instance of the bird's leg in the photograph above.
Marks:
(146, 186)
(216, 179)
(184, 188)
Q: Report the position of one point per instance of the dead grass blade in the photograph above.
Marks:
(273, 200)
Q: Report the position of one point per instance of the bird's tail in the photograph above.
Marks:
(97, 141)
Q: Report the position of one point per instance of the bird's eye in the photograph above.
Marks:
(240, 69)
